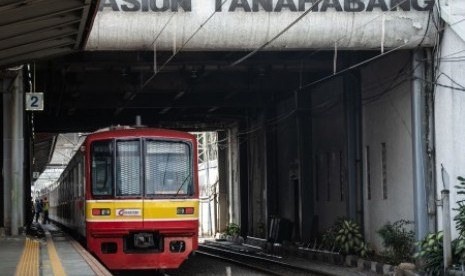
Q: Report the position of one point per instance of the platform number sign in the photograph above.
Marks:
(35, 101)
(35, 175)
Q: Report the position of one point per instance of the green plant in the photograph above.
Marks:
(431, 247)
(460, 217)
(233, 229)
(459, 246)
(431, 253)
(328, 239)
(398, 240)
(349, 239)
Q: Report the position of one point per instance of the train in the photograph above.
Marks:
(132, 195)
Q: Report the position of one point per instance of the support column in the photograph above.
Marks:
(418, 146)
(245, 192)
(222, 208)
(234, 188)
(352, 101)
(7, 155)
(27, 169)
(272, 195)
(3, 89)
(304, 184)
(13, 142)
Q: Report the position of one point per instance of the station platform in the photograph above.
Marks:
(46, 251)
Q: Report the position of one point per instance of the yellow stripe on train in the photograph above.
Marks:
(128, 210)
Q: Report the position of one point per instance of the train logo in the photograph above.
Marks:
(128, 212)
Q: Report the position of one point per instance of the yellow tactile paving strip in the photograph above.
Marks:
(53, 255)
(29, 263)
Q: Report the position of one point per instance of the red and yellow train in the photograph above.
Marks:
(132, 193)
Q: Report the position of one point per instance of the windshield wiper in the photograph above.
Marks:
(182, 185)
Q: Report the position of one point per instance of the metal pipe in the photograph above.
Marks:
(447, 250)
(418, 147)
(445, 200)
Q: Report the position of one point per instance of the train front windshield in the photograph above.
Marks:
(141, 167)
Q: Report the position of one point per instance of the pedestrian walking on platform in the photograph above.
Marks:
(45, 208)
(38, 209)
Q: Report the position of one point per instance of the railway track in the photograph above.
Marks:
(266, 264)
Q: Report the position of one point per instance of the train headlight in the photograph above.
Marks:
(101, 212)
(185, 210)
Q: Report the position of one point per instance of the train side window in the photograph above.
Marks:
(102, 168)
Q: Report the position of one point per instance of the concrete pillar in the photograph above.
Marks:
(303, 181)
(3, 88)
(223, 191)
(7, 155)
(27, 170)
(234, 196)
(272, 195)
(13, 142)
(352, 101)
(244, 181)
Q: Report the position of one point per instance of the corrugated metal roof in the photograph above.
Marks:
(36, 29)
(32, 30)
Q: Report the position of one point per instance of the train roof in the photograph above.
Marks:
(127, 132)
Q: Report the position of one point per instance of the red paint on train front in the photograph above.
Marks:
(165, 258)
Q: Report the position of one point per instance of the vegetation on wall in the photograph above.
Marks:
(459, 248)
(398, 241)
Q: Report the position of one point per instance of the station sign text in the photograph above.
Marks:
(268, 5)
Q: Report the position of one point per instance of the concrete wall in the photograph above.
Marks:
(388, 192)
(449, 115)
(330, 153)
(386, 86)
(272, 183)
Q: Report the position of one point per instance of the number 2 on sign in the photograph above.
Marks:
(35, 101)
